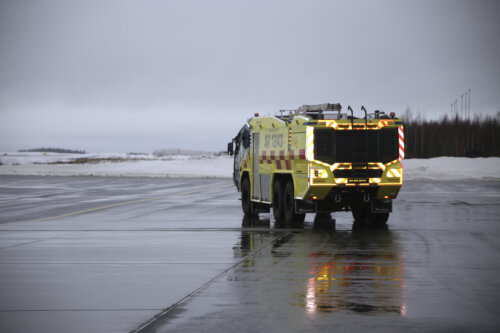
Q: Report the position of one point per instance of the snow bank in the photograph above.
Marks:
(452, 168)
(120, 165)
(123, 165)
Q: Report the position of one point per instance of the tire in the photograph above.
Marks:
(278, 212)
(380, 219)
(324, 220)
(298, 221)
(360, 214)
(364, 216)
(246, 204)
(291, 218)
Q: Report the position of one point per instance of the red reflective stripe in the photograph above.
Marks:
(291, 154)
(302, 154)
(287, 163)
(282, 155)
(278, 164)
(273, 156)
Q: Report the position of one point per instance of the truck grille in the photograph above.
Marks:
(355, 146)
(358, 173)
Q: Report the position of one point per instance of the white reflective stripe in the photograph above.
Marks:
(309, 143)
(393, 173)
(401, 142)
(334, 167)
(339, 180)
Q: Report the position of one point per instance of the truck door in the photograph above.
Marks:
(255, 169)
(242, 141)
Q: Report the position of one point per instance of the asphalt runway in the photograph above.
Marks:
(99, 254)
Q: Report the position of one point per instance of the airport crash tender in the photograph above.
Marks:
(319, 160)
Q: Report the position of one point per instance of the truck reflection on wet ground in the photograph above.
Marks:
(324, 269)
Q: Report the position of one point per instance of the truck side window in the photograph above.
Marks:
(246, 139)
(237, 146)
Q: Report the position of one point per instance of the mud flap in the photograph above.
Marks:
(305, 206)
(381, 206)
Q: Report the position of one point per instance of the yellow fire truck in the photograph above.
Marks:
(317, 159)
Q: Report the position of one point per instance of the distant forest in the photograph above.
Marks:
(451, 136)
(52, 150)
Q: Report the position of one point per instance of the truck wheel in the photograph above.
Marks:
(364, 216)
(278, 201)
(246, 204)
(360, 214)
(291, 218)
(380, 219)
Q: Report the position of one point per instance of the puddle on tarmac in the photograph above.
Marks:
(323, 270)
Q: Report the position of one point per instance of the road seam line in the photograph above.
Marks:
(165, 312)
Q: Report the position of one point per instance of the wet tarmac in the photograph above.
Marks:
(177, 255)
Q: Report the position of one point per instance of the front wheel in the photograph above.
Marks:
(291, 217)
(246, 204)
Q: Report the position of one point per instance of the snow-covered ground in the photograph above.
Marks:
(121, 165)
(452, 168)
(207, 165)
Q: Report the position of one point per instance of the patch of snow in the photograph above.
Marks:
(177, 152)
(201, 166)
(124, 165)
(452, 168)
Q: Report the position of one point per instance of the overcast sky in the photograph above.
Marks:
(122, 76)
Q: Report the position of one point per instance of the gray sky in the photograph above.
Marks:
(127, 76)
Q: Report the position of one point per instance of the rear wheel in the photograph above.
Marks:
(278, 212)
(291, 218)
(363, 214)
(246, 204)
(380, 219)
(360, 214)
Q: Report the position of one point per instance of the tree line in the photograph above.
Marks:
(52, 150)
(451, 136)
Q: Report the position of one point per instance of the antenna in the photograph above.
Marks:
(366, 136)
(469, 103)
(462, 106)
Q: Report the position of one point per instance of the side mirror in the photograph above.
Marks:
(230, 148)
